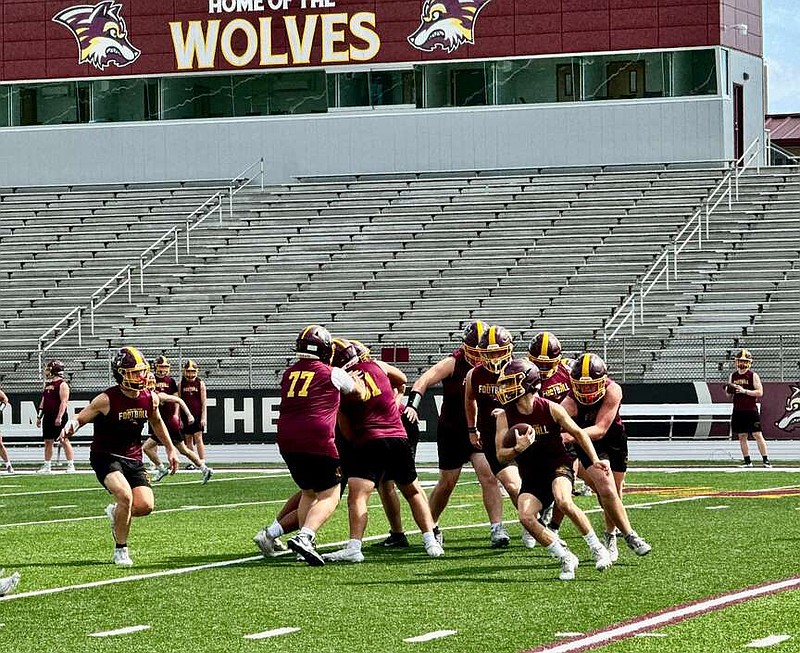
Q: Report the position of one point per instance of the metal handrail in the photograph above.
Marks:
(93, 305)
(241, 180)
(744, 161)
(204, 210)
(143, 265)
(771, 147)
(630, 315)
(43, 348)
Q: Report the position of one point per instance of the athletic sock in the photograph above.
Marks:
(591, 539)
(308, 532)
(354, 545)
(275, 529)
(496, 525)
(556, 549)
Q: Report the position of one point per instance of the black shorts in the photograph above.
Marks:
(455, 449)
(193, 428)
(540, 482)
(384, 459)
(313, 471)
(614, 450)
(412, 432)
(745, 421)
(50, 430)
(134, 472)
(490, 452)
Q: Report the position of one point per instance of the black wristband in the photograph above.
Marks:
(472, 429)
(414, 400)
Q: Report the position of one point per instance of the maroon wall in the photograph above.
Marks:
(35, 47)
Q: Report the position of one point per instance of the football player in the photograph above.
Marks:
(545, 466)
(381, 452)
(310, 395)
(745, 386)
(593, 402)
(53, 415)
(453, 443)
(119, 414)
(170, 403)
(3, 451)
(192, 390)
(480, 402)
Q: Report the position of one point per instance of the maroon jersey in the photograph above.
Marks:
(190, 393)
(548, 445)
(168, 386)
(453, 418)
(742, 402)
(119, 433)
(51, 401)
(378, 416)
(309, 403)
(587, 416)
(557, 386)
(484, 390)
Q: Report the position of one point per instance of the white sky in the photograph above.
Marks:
(782, 52)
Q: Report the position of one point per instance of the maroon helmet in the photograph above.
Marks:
(315, 342)
(588, 378)
(161, 367)
(53, 369)
(744, 360)
(130, 369)
(545, 352)
(517, 378)
(495, 347)
(190, 370)
(362, 350)
(471, 340)
(344, 354)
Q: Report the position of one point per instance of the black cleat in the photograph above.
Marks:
(396, 541)
(302, 545)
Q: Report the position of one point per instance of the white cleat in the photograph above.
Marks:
(569, 563)
(500, 538)
(70, 468)
(344, 555)
(44, 469)
(266, 543)
(111, 509)
(602, 558)
(528, 540)
(8, 585)
(160, 473)
(610, 540)
(637, 544)
(207, 474)
(121, 557)
(434, 550)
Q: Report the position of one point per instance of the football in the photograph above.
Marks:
(510, 438)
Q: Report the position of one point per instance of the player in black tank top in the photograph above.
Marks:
(744, 385)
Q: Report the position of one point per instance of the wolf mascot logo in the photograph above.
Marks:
(447, 24)
(101, 34)
(791, 418)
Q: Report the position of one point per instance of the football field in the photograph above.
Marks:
(723, 574)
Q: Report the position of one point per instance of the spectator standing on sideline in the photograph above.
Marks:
(53, 415)
(745, 386)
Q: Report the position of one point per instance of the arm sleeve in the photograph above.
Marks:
(341, 380)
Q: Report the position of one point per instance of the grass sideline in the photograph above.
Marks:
(503, 601)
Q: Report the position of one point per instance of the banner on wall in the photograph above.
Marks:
(67, 39)
(250, 416)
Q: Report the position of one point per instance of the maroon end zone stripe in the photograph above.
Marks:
(665, 617)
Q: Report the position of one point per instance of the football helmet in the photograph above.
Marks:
(315, 342)
(53, 369)
(471, 339)
(517, 378)
(495, 346)
(151, 381)
(161, 366)
(744, 360)
(190, 370)
(362, 350)
(130, 369)
(588, 379)
(545, 352)
(344, 354)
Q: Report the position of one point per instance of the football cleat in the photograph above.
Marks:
(9, 584)
(121, 557)
(528, 540)
(500, 538)
(111, 510)
(610, 541)
(70, 468)
(207, 474)
(303, 546)
(9, 468)
(46, 469)
(395, 540)
(266, 543)
(344, 555)
(637, 544)
(602, 558)
(278, 545)
(437, 533)
(767, 463)
(160, 473)
(434, 549)
(569, 563)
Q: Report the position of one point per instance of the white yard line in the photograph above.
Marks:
(120, 631)
(69, 505)
(768, 641)
(272, 633)
(427, 637)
